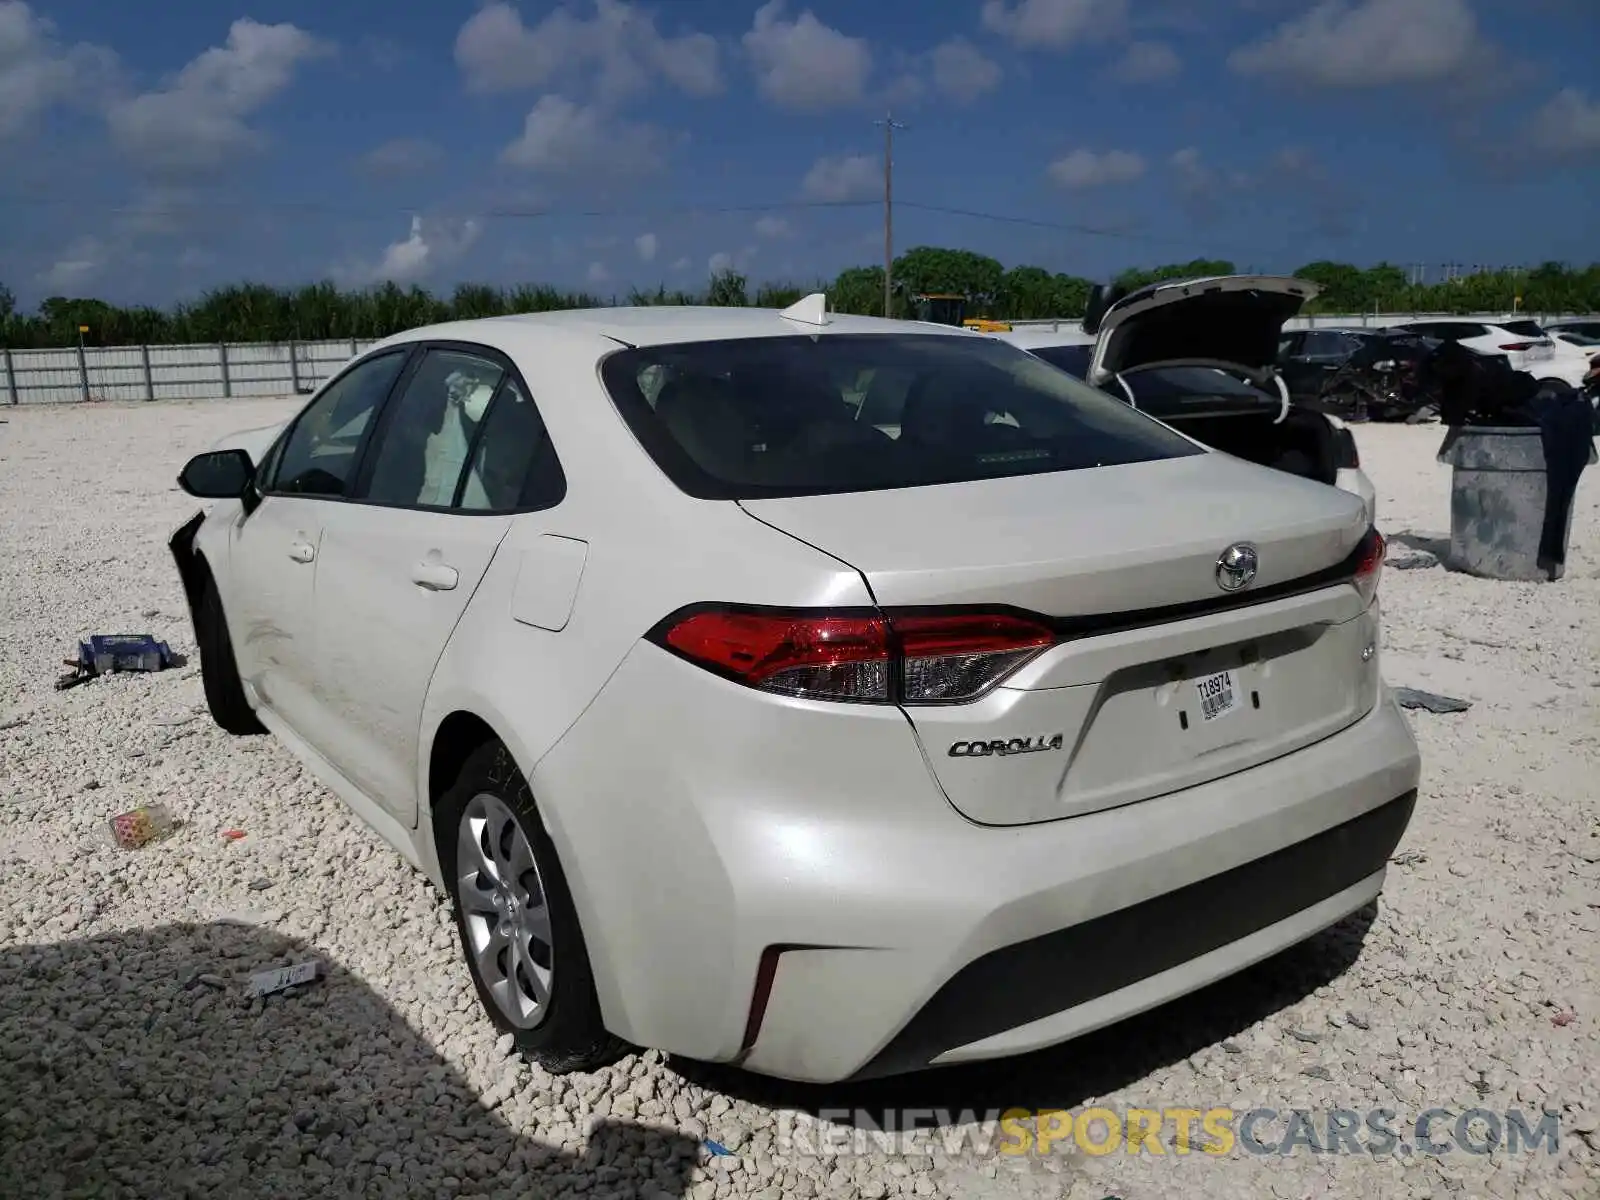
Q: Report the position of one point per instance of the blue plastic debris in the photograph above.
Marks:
(105, 653)
(717, 1147)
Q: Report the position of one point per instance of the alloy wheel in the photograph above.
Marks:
(504, 911)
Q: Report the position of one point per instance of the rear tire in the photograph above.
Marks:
(219, 670)
(516, 920)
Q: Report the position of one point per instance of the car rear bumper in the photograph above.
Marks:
(811, 907)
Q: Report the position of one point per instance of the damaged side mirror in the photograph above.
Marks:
(217, 475)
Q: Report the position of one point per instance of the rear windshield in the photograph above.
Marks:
(1529, 329)
(1072, 359)
(785, 416)
(1175, 391)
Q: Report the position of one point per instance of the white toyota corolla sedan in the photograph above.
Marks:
(741, 727)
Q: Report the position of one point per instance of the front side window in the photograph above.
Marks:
(754, 417)
(319, 456)
(421, 450)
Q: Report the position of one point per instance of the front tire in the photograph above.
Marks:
(219, 670)
(516, 920)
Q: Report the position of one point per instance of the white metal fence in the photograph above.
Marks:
(225, 370)
(206, 372)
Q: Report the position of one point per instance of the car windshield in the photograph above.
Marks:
(1579, 339)
(780, 416)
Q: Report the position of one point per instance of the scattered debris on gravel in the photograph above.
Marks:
(135, 1059)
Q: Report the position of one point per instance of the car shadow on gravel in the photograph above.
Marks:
(1094, 1065)
(132, 1064)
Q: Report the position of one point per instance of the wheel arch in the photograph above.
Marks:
(193, 570)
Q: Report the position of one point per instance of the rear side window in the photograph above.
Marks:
(428, 432)
(514, 465)
(782, 416)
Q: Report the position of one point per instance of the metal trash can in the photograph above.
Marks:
(1498, 493)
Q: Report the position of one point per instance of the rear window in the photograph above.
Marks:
(1172, 387)
(785, 416)
(1072, 359)
(1527, 329)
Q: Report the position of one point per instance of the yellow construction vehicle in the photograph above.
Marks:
(950, 308)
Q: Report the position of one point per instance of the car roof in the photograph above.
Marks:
(1043, 338)
(656, 325)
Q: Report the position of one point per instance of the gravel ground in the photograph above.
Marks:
(132, 1063)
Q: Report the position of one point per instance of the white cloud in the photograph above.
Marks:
(1087, 169)
(962, 71)
(1147, 62)
(1054, 24)
(683, 264)
(720, 261)
(400, 156)
(200, 119)
(619, 48)
(597, 273)
(647, 245)
(82, 262)
(842, 179)
(774, 227)
(1372, 43)
(37, 72)
(431, 244)
(1569, 125)
(561, 137)
(804, 65)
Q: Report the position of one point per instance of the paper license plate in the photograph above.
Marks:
(1218, 696)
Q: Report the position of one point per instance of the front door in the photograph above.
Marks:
(269, 589)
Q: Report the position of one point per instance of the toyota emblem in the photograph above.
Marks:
(1236, 566)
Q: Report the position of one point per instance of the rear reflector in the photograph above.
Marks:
(859, 656)
(1369, 565)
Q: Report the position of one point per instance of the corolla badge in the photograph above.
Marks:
(1236, 566)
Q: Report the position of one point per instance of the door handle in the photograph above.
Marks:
(435, 576)
(302, 552)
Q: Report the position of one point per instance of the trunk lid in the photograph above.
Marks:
(1149, 642)
(1224, 318)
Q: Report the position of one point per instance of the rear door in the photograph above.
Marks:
(397, 568)
(1320, 354)
(269, 587)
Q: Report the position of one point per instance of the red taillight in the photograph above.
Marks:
(864, 657)
(1519, 345)
(1369, 565)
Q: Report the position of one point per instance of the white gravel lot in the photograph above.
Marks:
(131, 1063)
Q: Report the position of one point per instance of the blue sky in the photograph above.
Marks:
(148, 151)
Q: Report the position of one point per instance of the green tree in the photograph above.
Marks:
(315, 311)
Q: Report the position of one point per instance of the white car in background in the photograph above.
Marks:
(1522, 340)
(737, 726)
(1201, 356)
(1588, 346)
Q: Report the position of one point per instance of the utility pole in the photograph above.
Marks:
(889, 126)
